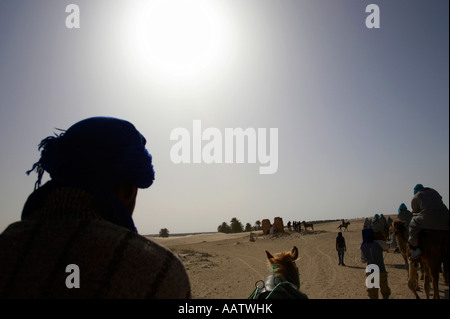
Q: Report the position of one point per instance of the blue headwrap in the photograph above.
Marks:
(367, 235)
(402, 207)
(101, 151)
(96, 153)
(418, 188)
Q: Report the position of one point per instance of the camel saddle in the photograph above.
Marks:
(276, 287)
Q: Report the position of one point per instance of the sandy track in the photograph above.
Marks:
(228, 265)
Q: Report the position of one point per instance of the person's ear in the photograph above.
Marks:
(127, 194)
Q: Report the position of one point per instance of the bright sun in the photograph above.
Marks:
(176, 37)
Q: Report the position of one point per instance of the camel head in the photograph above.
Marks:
(283, 265)
(399, 227)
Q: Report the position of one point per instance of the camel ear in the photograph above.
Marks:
(269, 256)
(294, 253)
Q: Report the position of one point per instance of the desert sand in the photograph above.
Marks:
(226, 266)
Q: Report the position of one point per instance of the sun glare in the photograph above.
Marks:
(175, 38)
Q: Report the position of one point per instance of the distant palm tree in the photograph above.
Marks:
(236, 226)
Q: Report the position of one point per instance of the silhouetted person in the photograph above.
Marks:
(340, 248)
(372, 254)
(404, 215)
(83, 217)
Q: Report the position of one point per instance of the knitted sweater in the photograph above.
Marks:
(113, 262)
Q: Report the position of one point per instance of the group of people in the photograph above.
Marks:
(428, 212)
(296, 226)
(380, 225)
(83, 217)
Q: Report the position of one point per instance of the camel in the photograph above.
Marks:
(435, 250)
(413, 281)
(284, 281)
(305, 225)
(344, 225)
(400, 232)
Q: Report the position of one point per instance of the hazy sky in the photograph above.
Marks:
(362, 114)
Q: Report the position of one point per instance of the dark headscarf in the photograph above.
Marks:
(97, 154)
(402, 207)
(101, 151)
(418, 188)
(367, 235)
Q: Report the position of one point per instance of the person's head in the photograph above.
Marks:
(103, 152)
(367, 235)
(418, 188)
(376, 217)
(339, 234)
(402, 207)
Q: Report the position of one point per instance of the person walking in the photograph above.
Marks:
(372, 254)
(341, 248)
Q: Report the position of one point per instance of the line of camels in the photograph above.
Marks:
(435, 251)
(285, 279)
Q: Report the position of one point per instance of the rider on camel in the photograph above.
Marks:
(429, 212)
